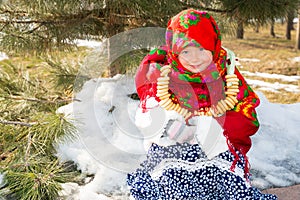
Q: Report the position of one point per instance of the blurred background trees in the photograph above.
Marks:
(42, 25)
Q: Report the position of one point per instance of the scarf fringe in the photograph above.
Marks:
(238, 159)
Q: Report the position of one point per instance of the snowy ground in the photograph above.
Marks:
(110, 145)
(3, 56)
(1, 178)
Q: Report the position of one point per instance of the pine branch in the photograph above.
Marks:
(34, 29)
(124, 16)
(55, 101)
(25, 22)
(18, 123)
(4, 11)
(3, 27)
(83, 15)
(201, 5)
(27, 152)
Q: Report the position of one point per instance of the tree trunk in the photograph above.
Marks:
(289, 24)
(257, 28)
(111, 50)
(298, 32)
(240, 30)
(272, 32)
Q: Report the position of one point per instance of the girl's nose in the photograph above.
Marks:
(194, 58)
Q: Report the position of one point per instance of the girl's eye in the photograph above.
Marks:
(184, 52)
(201, 49)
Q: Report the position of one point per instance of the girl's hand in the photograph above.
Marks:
(180, 132)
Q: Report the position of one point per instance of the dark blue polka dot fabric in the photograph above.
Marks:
(183, 171)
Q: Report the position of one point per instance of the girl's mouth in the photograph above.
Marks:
(195, 66)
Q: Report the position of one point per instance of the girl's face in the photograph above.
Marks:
(195, 59)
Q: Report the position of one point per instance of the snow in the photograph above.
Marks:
(248, 60)
(87, 43)
(1, 179)
(110, 145)
(272, 76)
(273, 87)
(276, 147)
(3, 56)
(296, 59)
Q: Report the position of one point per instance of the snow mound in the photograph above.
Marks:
(110, 145)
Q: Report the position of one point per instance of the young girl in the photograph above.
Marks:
(194, 77)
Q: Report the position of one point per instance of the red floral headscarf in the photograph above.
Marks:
(193, 27)
(191, 90)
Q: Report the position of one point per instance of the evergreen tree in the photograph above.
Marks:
(30, 128)
(289, 23)
(297, 45)
(45, 24)
(272, 31)
(256, 11)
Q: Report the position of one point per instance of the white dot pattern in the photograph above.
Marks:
(177, 183)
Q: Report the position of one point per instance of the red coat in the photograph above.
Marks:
(238, 124)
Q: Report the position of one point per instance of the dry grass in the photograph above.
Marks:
(274, 54)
